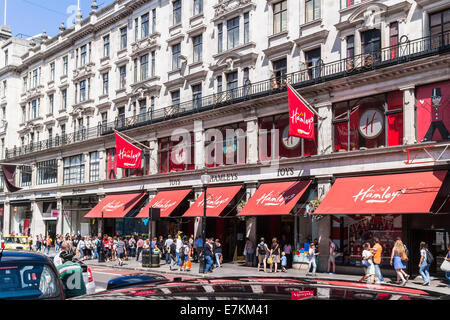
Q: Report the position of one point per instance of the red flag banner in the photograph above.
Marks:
(128, 156)
(301, 118)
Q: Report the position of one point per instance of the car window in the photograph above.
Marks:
(28, 281)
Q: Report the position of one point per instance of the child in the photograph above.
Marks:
(283, 261)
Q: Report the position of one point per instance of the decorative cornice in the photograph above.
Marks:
(227, 8)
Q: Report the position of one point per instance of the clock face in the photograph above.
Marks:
(290, 142)
(371, 123)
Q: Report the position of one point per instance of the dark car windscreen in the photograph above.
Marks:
(28, 281)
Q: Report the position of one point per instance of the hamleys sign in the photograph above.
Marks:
(113, 205)
(164, 204)
(274, 199)
(377, 194)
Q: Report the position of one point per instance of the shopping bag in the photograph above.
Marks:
(445, 266)
(188, 265)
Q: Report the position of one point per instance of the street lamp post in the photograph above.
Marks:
(206, 179)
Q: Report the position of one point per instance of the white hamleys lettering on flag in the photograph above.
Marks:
(129, 154)
(297, 117)
(272, 199)
(379, 195)
(163, 204)
(113, 205)
(212, 203)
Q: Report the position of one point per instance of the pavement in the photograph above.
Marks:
(238, 270)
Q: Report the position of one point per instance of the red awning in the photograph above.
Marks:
(275, 198)
(217, 199)
(115, 206)
(167, 201)
(390, 193)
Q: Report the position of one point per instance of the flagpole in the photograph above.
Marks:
(303, 100)
(127, 137)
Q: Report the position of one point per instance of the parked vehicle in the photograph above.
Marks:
(14, 242)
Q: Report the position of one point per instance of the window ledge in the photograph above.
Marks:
(278, 35)
(311, 23)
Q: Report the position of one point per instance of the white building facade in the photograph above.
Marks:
(148, 67)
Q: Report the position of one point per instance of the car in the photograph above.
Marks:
(26, 275)
(15, 242)
(262, 288)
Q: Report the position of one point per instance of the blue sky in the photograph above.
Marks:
(30, 17)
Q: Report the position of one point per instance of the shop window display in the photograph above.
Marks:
(370, 122)
(433, 112)
(173, 156)
(354, 231)
(227, 148)
(111, 164)
(288, 146)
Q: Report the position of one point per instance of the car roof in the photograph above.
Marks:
(11, 256)
(249, 282)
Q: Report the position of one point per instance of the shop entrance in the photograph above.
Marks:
(50, 229)
(437, 242)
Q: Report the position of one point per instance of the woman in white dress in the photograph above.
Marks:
(369, 267)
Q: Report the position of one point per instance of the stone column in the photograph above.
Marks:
(60, 171)
(6, 217)
(34, 175)
(87, 166)
(153, 145)
(324, 224)
(325, 127)
(60, 221)
(357, 44)
(99, 224)
(37, 224)
(102, 164)
(409, 125)
(252, 138)
(199, 145)
(250, 225)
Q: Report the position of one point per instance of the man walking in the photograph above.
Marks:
(208, 250)
(167, 245)
(377, 249)
(179, 245)
(132, 246)
(120, 251)
(262, 252)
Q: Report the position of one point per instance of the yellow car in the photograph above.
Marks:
(16, 242)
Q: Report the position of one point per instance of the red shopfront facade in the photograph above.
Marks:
(388, 206)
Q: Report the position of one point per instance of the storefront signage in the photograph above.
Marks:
(113, 205)
(371, 123)
(79, 190)
(299, 295)
(164, 204)
(377, 195)
(226, 177)
(274, 199)
(213, 203)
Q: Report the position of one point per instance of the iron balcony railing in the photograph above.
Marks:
(406, 50)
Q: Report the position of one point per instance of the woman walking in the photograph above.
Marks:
(217, 252)
(424, 266)
(367, 262)
(398, 258)
(275, 254)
